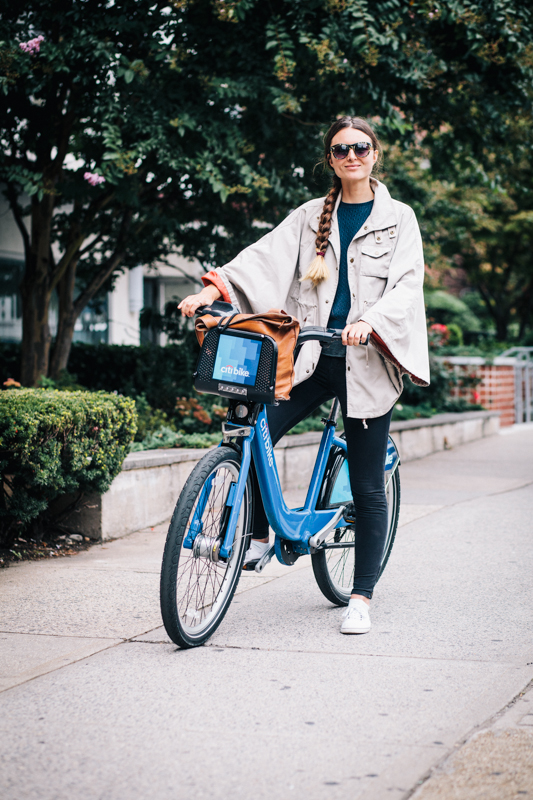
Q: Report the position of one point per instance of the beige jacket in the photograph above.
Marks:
(385, 272)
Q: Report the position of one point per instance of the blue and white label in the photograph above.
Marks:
(265, 433)
(391, 457)
(237, 359)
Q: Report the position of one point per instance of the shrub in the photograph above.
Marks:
(149, 419)
(54, 443)
(166, 437)
(161, 374)
(443, 307)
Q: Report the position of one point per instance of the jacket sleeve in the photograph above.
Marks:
(398, 317)
(263, 272)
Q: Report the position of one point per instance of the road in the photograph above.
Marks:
(97, 704)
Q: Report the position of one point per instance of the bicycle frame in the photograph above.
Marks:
(295, 525)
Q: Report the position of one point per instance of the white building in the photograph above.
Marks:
(113, 319)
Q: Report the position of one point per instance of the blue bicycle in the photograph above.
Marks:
(210, 529)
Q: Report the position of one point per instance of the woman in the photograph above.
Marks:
(351, 261)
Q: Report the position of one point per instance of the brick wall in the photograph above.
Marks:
(495, 391)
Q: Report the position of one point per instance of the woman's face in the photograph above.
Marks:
(352, 168)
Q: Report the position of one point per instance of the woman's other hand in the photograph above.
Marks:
(356, 333)
(190, 304)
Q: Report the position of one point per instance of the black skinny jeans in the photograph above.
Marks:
(367, 448)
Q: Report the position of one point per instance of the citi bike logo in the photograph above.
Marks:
(268, 443)
(229, 370)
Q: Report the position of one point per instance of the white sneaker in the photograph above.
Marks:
(356, 618)
(255, 553)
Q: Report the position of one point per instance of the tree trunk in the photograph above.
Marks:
(501, 329)
(67, 319)
(35, 332)
(499, 313)
(36, 293)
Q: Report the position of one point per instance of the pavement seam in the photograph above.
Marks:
(69, 635)
(64, 666)
(474, 731)
(134, 640)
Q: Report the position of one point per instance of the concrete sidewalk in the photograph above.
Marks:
(99, 704)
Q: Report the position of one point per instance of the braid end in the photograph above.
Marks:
(317, 271)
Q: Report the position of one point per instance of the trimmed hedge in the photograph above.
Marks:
(161, 374)
(54, 443)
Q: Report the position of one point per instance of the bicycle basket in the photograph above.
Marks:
(237, 363)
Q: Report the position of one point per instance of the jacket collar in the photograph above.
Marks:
(383, 215)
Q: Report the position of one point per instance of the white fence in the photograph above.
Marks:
(523, 371)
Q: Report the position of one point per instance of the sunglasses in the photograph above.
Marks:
(360, 149)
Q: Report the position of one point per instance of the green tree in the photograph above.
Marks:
(475, 207)
(136, 127)
(485, 210)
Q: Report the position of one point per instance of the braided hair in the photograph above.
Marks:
(318, 270)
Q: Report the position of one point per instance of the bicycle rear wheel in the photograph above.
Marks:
(334, 566)
(197, 583)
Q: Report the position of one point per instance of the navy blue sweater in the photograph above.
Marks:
(351, 217)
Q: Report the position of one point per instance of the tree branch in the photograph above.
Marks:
(300, 121)
(92, 244)
(107, 268)
(78, 236)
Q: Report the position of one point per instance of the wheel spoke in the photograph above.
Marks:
(202, 588)
(334, 567)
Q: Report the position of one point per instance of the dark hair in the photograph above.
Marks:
(318, 270)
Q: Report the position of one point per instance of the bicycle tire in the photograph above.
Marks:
(196, 591)
(334, 573)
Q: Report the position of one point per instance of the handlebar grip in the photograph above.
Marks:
(217, 309)
(313, 333)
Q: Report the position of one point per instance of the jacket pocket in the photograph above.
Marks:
(375, 261)
(305, 311)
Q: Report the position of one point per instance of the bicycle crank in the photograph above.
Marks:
(320, 537)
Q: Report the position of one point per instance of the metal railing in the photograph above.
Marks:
(523, 374)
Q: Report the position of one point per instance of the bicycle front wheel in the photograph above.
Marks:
(334, 566)
(197, 583)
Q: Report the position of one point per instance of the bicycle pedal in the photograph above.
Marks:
(349, 513)
(266, 559)
(250, 565)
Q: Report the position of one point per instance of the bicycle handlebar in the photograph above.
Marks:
(311, 333)
(315, 333)
(217, 309)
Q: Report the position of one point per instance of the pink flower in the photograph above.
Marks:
(93, 178)
(33, 46)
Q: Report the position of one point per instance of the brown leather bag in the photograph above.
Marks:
(280, 326)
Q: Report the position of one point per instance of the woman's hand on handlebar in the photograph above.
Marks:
(190, 304)
(356, 333)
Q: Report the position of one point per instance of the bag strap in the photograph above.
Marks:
(225, 321)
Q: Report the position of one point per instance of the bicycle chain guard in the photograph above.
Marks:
(285, 552)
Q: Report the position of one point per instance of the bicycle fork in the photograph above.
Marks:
(217, 548)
